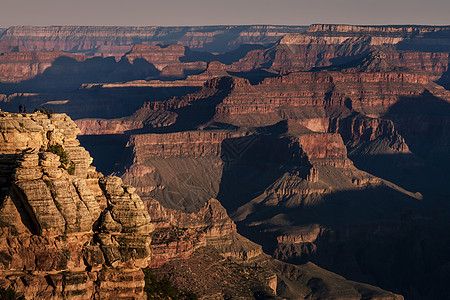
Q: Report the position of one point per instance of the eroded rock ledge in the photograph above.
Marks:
(65, 230)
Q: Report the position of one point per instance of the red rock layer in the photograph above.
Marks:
(427, 48)
(165, 59)
(189, 143)
(401, 30)
(434, 63)
(358, 130)
(140, 119)
(325, 149)
(119, 40)
(19, 66)
(373, 93)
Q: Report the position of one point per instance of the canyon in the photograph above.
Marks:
(271, 166)
(67, 231)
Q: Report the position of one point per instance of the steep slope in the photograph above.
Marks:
(65, 230)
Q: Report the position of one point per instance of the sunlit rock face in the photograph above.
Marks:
(66, 231)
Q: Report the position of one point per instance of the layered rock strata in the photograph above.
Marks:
(165, 59)
(416, 47)
(66, 233)
(20, 66)
(102, 40)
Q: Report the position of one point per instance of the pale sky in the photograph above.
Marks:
(222, 12)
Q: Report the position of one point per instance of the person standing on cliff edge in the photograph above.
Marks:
(20, 108)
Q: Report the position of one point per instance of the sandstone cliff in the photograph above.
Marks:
(66, 231)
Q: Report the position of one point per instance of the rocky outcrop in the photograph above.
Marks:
(179, 234)
(190, 143)
(64, 232)
(365, 135)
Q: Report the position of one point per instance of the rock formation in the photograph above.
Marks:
(65, 230)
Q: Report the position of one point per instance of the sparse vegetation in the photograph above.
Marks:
(10, 294)
(66, 163)
(48, 183)
(44, 110)
(58, 205)
(163, 289)
(71, 168)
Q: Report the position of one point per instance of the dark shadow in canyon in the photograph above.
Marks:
(409, 172)
(109, 151)
(424, 123)
(96, 102)
(226, 58)
(414, 43)
(445, 79)
(195, 113)
(67, 74)
(377, 236)
(252, 163)
(254, 77)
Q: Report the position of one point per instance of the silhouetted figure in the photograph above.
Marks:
(24, 109)
(20, 108)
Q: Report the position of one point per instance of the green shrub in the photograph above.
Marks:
(71, 168)
(44, 110)
(63, 158)
(59, 150)
(58, 205)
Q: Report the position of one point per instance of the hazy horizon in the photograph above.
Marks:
(231, 12)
